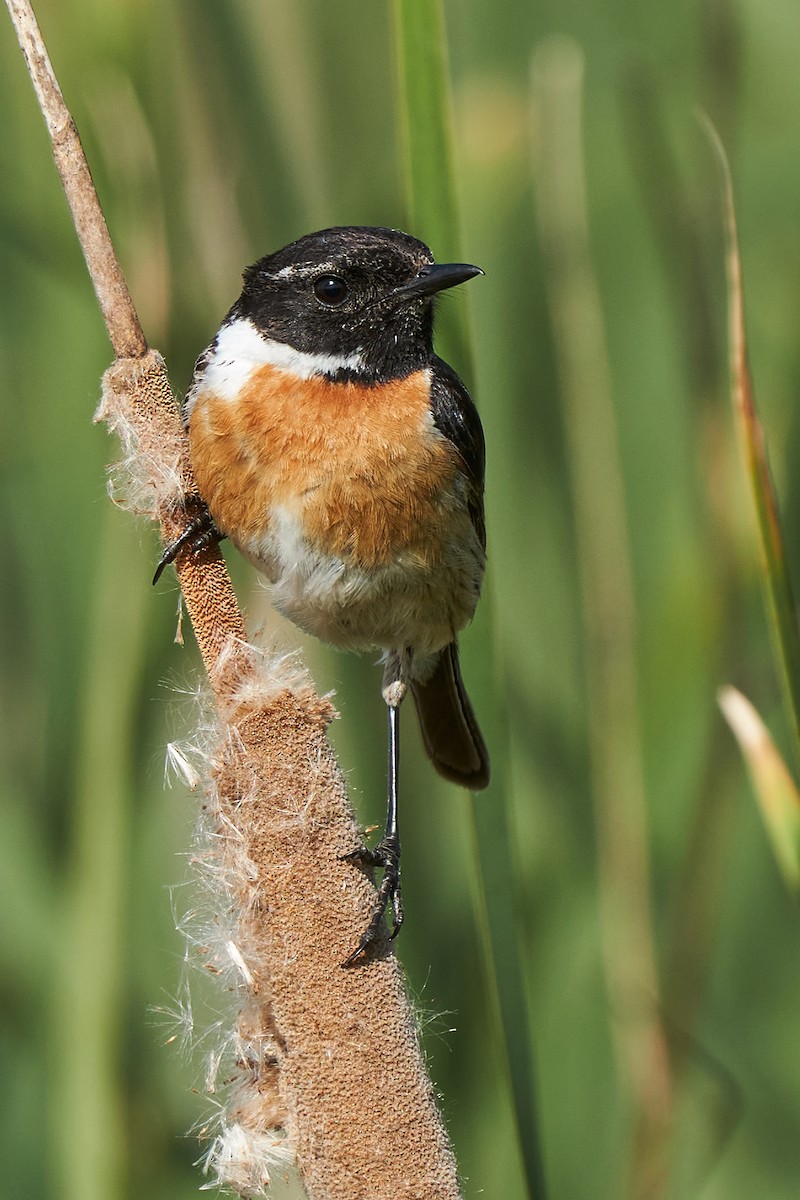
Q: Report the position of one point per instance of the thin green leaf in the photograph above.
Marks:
(424, 109)
(775, 789)
(605, 569)
(780, 598)
(425, 121)
(91, 1142)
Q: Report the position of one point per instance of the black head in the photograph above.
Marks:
(351, 291)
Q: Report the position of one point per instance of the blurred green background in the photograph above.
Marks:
(658, 959)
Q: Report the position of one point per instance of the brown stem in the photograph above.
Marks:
(112, 292)
(328, 1055)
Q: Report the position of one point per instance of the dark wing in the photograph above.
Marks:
(456, 417)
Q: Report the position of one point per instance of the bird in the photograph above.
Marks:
(346, 461)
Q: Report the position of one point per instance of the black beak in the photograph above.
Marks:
(435, 278)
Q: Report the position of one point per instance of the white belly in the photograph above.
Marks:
(401, 603)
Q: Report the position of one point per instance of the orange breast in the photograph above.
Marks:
(363, 469)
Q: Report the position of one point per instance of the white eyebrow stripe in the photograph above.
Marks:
(307, 270)
(240, 349)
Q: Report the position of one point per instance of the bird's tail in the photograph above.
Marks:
(449, 728)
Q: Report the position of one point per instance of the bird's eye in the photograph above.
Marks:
(331, 290)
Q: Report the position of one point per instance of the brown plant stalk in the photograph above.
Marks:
(328, 1066)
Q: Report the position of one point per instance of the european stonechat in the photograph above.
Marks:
(346, 461)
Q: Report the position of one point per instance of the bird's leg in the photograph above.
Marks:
(387, 852)
(199, 533)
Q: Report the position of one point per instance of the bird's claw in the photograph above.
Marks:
(199, 533)
(385, 855)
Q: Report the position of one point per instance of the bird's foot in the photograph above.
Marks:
(385, 855)
(199, 533)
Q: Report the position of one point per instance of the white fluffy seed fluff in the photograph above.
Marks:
(243, 1161)
(149, 475)
(240, 1052)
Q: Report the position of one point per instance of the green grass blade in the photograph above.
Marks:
(425, 127)
(88, 1007)
(778, 586)
(494, 890)
(608, 601)
(425, 123)
(775, 789)
(425, 118)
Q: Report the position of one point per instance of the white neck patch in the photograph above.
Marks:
(240, 348)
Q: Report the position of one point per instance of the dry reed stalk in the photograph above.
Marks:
(328, 1065)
